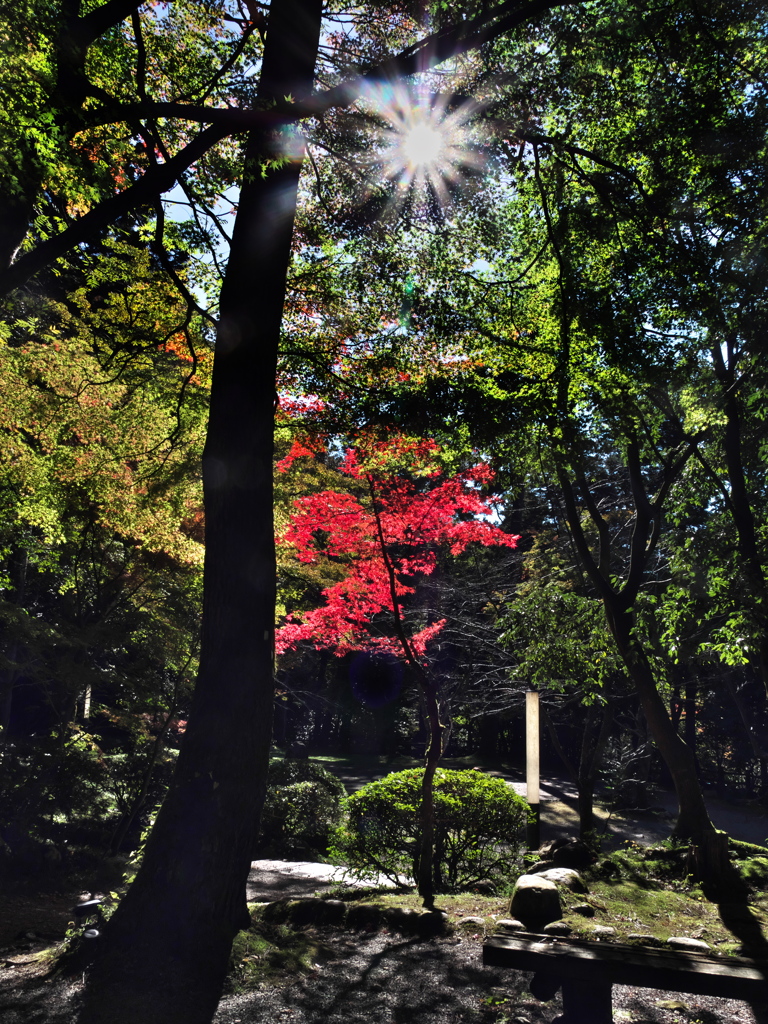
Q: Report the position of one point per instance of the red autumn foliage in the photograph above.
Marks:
(309, 447)
(389, 537)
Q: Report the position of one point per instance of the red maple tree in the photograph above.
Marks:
(390, 530)
(390, 534)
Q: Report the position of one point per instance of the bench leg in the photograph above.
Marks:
(587, 1003)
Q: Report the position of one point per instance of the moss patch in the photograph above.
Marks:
(630, 908)
(269, 954)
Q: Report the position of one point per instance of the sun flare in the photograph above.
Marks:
(422, 146)
(425, 144)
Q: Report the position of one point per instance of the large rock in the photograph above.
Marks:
(557, 928)
(584, 909)
(567, 877)
(535, 901)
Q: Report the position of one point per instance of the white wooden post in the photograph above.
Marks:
(532, 768)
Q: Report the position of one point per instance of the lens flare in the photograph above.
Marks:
(425, 143)
(422, 146)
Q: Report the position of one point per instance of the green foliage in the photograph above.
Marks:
(478, 820)
(561, 638)
(45, 781)
(137, 855)
(301, 809)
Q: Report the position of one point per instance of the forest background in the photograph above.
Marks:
(564, 296)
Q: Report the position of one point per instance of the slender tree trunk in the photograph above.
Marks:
(586, 805)
(589, 765)
(691, 695)
(752, 725)
(585, 777)
(488, 731)
(165, 952)
(693, 818)
(592, 747)
(426, 867)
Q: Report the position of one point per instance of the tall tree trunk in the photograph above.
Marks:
(593, 743)
(166, 949)
(752, 725)
(586, 805)
(738, 502)
(425, 867)
(691, 696)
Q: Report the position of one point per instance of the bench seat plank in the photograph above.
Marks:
(616, 964)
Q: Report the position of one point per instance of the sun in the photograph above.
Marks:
(424, 143)
(421, 146)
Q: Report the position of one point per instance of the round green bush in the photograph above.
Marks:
(301, 809)
(478, 823)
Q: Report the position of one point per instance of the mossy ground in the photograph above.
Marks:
(269, 953)
(633, 891)
(631, 909)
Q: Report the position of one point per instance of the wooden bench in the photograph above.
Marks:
(587, 970)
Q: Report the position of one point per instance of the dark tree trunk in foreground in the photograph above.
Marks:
(427, 866)
(737, 500)
(166, 950)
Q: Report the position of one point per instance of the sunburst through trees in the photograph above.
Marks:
(425, 143)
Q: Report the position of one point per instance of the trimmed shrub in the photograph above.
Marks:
(301, 809)
(478, 823)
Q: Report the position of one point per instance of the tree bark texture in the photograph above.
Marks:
(165, 952)
(428, 867)
(740, 505)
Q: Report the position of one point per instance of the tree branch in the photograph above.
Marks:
(158, 179)
(449, 42)
(600, 582)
